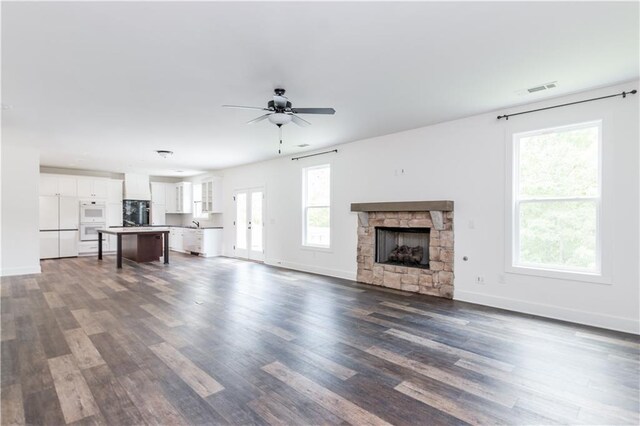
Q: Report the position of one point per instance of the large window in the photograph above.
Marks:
(556, 199)
(316, 205)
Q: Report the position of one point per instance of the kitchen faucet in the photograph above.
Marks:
(197, 223)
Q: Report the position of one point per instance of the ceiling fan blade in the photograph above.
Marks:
(244, 107)
(255, 120)
(313, 110)
(299, 121)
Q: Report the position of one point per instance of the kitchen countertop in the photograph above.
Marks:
(173, 226)
(134, 230)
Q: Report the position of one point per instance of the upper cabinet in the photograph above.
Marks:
(58, 185)
(170, 198)
(114, 191)
(212, 195)
(92, 188)
(184, 197)
(109, 190)
(158, 193)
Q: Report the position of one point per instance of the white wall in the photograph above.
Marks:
(20, 209)
(465, 161)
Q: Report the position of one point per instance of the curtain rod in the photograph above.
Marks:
(313, 155)
(623, 94)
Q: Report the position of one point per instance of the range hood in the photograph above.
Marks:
(136, 187)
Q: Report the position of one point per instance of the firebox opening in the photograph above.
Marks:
(403, 246)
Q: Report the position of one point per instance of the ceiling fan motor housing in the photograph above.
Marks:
(272, 105)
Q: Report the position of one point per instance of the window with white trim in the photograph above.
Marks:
(556, 199)
(316, 206)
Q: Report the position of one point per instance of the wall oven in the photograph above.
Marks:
(89, 231)
(92, 212)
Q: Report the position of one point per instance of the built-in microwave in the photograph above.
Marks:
(92, 212)
(89, 231)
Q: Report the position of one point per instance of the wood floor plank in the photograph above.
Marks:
(114, 402)
(432, 314)
(76, 399)
(12, 405)
(472, 387)
(322, 396)
(150, 401)
(451, 350)
(86, 320)
(447, 405)
(82, 348)
(53, 299)
(199, 381)
(167, 319)
(7, 327)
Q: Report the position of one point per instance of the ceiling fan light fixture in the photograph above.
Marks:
(279, 118)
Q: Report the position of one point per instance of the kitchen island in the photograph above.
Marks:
(140, 244)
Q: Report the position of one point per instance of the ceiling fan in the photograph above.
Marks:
(281, 111)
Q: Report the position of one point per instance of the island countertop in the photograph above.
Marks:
(134, 230)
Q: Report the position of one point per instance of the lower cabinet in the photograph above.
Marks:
(91, 247)
(204, 242)
(56, 244)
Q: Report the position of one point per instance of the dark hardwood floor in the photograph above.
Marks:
(221, 341)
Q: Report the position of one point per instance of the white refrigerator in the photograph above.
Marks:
(58, 226)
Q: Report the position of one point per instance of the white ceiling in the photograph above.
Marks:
(102, 85)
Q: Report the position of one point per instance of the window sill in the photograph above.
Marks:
(560, 275)
(317, 248)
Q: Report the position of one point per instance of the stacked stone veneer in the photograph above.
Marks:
(435, 281)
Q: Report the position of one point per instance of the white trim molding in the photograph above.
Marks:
(25, 270)
(628, 325)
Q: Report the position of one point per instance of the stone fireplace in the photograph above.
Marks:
(406, 246)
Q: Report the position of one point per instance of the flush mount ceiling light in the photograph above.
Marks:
(164, 153)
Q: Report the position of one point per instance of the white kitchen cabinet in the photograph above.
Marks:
(68, 243)
(176, 241)
(92, 188)
(91, 247)
(212, 195)
(158, 192)
(184, 197)
(114, 191)
(114, 218)
(158, 202)
(170, 198)
(158, 214)
(49, 244)
(205, 242)
(58, 185)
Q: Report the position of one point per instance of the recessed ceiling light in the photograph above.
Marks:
(179, 171)
(164, 153)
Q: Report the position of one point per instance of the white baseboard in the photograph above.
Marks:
(26, 270)
(628, 325)
(337, 273)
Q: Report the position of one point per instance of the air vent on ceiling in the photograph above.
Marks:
(545, 86)
(303, 145)
(540, 88)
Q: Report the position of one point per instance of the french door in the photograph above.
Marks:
(249, 224)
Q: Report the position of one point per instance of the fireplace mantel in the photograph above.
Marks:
(404, 206)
